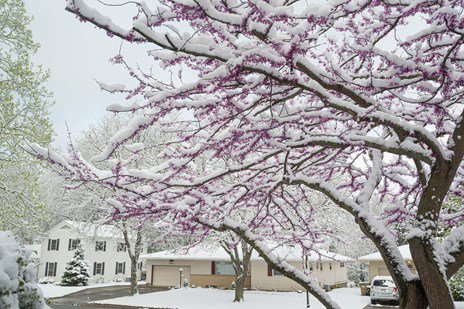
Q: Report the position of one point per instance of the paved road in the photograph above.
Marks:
(80, 299)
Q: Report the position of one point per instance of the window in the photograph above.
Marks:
(330, 266)
(73, 243)
(50, 269)
(121, 247)
(53, 244)
(276, 273)
(98, 268)
(100, 246)
(140, 265)
(120, 268)
(311, 267)
(224, 268)
(342, 264)
(320, 265)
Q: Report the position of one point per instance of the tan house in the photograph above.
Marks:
(211, 267)
(377, 266)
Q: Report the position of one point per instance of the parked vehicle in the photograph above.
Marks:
(382, 289)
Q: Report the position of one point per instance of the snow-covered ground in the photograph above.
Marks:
(213, 298)
(52, 290)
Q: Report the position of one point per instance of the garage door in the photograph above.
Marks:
(163, 275)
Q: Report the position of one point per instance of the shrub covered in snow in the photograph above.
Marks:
(357, 273)
(17, 277)
(77, 270)
(457, 285)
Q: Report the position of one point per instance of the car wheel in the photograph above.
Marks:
(373, 302)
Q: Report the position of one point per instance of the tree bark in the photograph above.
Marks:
(133, 287)
(413, 296)
(432, 278)
(239, 286)
(133, 255)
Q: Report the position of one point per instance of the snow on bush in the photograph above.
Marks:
(17, 277)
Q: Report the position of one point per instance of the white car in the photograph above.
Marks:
(383, 288)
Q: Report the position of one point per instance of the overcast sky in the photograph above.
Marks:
(76, 53)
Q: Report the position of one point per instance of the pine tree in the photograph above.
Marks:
(77, 270)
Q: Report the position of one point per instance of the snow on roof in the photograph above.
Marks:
(219, 254)
(404, 250)
(34, 250)
(94, 230)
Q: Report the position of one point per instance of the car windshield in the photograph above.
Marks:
(384, 283)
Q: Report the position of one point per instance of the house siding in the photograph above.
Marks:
(379, 268)
(337, 276)
(200, 273)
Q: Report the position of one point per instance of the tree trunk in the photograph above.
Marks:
(432, 278)
(413, 297)
(239, 286)
(133, 287)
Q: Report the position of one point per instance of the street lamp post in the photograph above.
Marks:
(180, 277)
(307, 292)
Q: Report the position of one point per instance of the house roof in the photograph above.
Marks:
(217, 253)
(404, 250)
(92, 229)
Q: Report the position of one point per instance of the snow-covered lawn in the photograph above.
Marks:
(213, 298)
(52, 290)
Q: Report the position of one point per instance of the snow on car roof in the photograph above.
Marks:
(217, 253)
(404, 250)
(382, 278)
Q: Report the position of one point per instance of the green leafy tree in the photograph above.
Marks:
(77, 270)
(24, 118)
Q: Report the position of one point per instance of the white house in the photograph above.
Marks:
(104, 248)
(212, 267)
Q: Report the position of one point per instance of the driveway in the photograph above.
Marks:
(80, 300)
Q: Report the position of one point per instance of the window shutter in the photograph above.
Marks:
(54, 270)
(49, 244)
(104, 246)
(57, 244)
(94, 268)
(46, 265)
(69, 245)
(124, 268)
(116, 269)
(213, 267)
(269, 270)
(103, 268)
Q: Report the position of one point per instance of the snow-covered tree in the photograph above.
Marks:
(18, 288)
(23, 118)
(76, 272)
(359, 101)
(240, 255)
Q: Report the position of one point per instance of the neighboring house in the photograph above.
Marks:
(212, 267)
(104, 248)
(377, 266)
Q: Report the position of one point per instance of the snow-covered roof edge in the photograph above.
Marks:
(90, 229)
(376, 256)
(219, 254)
